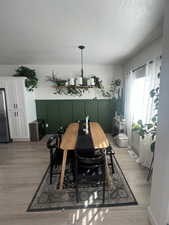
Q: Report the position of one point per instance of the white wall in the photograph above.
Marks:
(147, 54)
(158, 210)
(45, 91)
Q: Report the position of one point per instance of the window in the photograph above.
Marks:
(138, 107)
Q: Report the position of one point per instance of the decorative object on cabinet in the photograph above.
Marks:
(20, 106)
(30, 74)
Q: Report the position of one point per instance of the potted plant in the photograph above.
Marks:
(30, 74)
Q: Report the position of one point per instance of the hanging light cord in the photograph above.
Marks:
(81, 47)
(82, 63)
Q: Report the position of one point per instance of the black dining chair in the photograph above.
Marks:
(56, 154)
(89, 167)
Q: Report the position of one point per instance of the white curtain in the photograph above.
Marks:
(129, 81)
(139, 105)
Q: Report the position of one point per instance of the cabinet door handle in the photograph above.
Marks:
(14, 106)
(17, 113)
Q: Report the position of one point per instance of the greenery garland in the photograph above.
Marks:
(61, 86)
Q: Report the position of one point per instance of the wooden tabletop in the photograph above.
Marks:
(69, 139)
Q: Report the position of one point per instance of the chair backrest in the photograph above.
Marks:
(90, 156)
(52, 142)
(60, 129)
(85, 152)
(89, 152)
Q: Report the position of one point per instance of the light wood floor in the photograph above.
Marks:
(22, 166)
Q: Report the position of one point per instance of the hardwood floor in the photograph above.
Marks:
(22, 166)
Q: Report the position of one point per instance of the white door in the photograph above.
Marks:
(22, 124)
(21, 108)
(17, 124)
(13, 124)
(10, 89)
(20, 94)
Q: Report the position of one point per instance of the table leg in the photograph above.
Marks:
(108, 174)
(63, 169)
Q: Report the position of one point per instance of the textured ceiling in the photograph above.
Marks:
(48, 32)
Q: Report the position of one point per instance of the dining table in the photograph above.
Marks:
(69, 141)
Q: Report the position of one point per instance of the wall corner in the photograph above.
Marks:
(151, 217)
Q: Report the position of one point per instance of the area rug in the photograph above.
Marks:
(49, 197)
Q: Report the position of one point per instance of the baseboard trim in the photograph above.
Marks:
(21, 139)
(152, 219)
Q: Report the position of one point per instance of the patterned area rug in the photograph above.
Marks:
(49, 197)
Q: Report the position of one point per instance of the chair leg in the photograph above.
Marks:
(104, 177)
(112, 164)
(76, 181)
(77, 191)
(51, 165)
(51, 173)
(150, 169)
(149, 174)
(60, 140)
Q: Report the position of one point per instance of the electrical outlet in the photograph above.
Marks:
(47, 125)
